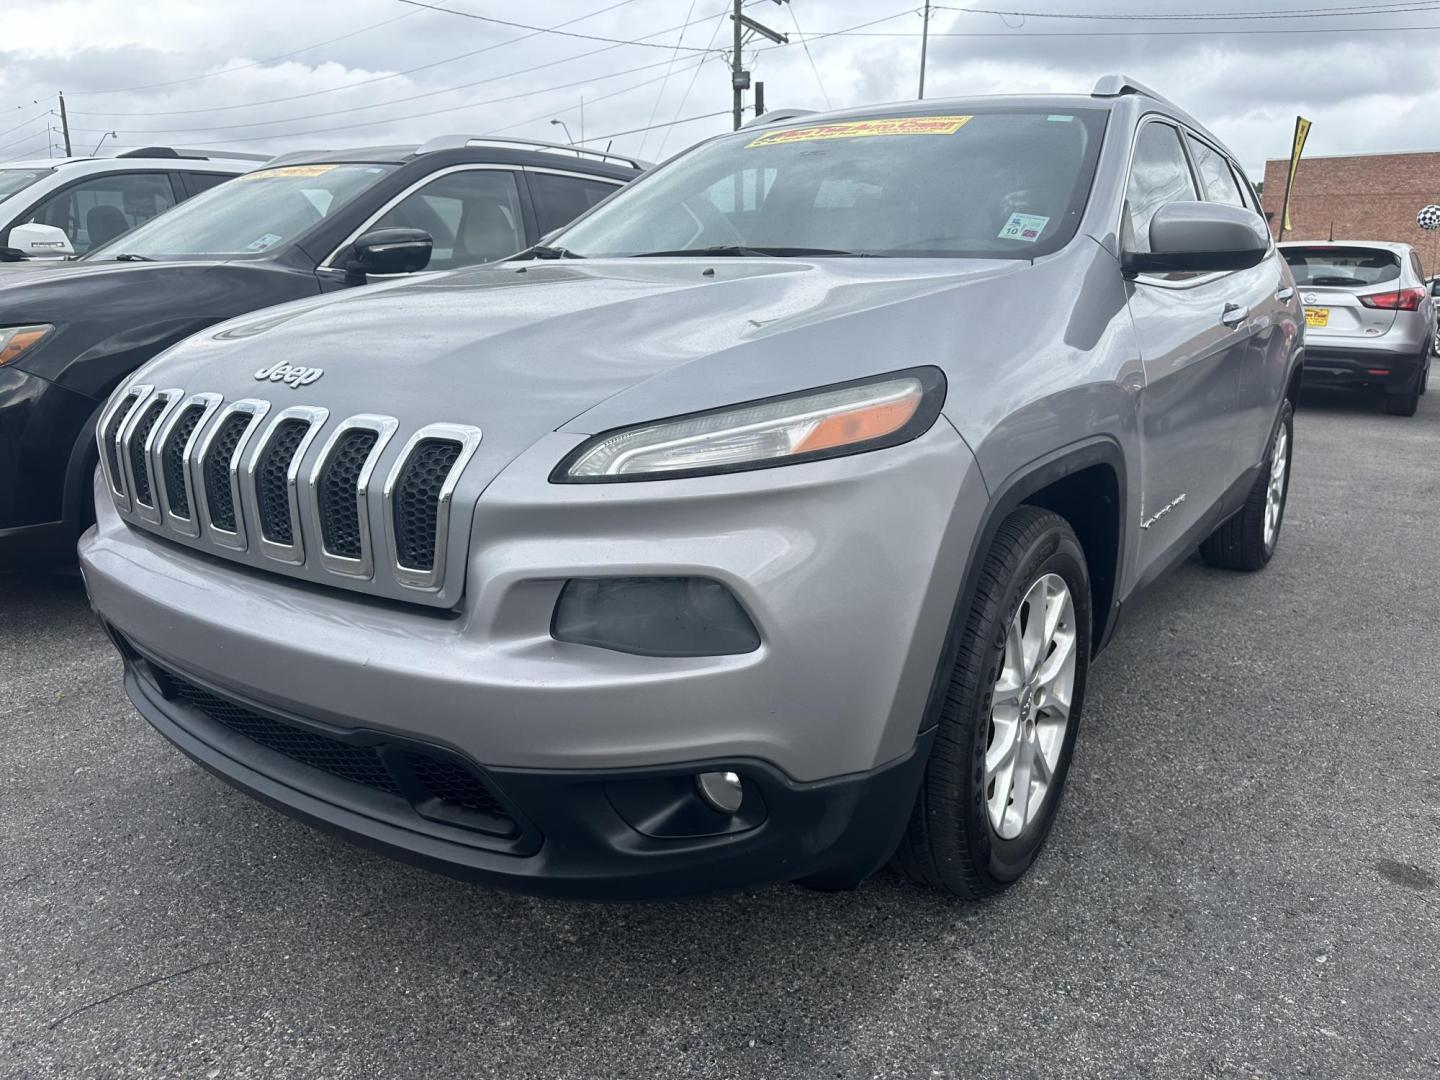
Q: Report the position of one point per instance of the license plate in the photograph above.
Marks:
(1317, 316)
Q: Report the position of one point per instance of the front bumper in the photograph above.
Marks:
(849, 568)
(619, 834)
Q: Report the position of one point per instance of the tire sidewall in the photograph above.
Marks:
(1285, 421)
(1054, 552)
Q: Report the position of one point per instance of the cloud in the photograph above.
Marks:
(1364, 91)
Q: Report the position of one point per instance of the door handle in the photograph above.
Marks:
(1234, 315)
(1285, 295)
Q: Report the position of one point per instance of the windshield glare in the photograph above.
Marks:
(13, 180)
(1343, 267)
(253, 214)
(998, 183)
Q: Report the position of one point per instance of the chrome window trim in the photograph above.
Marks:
(154, 513)
(328, 263)
(236, 540)
(293, 553)
(135, 395)
(363, 567)
(187, 526)
(469, 439)
(612, 181)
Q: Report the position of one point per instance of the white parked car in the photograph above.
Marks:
(52, 209)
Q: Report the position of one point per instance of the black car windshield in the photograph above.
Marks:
(253, 214)
(1344, 267)
(13, 180)
(970, 182)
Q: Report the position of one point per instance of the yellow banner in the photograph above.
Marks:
(863, 129)
(1297, 147)
(287, 170)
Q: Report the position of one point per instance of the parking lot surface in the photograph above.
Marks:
(1242, 882)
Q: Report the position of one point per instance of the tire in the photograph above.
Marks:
(1244, 542)
(1425, 375)
(1404, 404)
(953, 842)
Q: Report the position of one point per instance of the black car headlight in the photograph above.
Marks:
(847, 418)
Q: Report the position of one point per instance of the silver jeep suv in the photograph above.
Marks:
(760, 526)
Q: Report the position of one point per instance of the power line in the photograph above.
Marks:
(542, 29)
(1393, 7)
(1023, 35)
(655, 108)
(801, 35)
(17, 127)
(666, 124)
(603, 97)
(244, 67)
(385, 78)
(685, 96)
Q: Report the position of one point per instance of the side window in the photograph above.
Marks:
(1158, 175)
(96, 211)
(559, 200)
(204, 181)
(1215, 175)
(473, 216)
(1415, 262)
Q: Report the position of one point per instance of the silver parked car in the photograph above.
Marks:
(761, 525)
(1369, 317)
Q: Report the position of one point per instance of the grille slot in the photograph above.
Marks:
(172, 460)
(339, 510)
(439, 787)
(218, 497)
(112, 433)
(417, 501)
(272, 485)
(139, 466)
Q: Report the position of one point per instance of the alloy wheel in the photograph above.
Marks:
(1030, 706)
(1275, 491)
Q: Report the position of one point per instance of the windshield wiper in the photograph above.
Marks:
(741, 251)
(545, 251)
(131, 257)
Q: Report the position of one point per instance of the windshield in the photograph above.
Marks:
(1345, 267)
(997, 183)
(13, 180)
(252, 214)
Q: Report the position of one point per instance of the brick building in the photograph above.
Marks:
(1359, 197)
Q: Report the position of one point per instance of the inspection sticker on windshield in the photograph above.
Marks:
(263, 242)
(287, 170)
(864, 129)
(1027, 227)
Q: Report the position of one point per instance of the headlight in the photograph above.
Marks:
(845, 419)
(15, 341)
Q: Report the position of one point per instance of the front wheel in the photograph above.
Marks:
(1012, 706)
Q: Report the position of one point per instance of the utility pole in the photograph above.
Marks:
(739, 77)
(65, 124)
(924, 47)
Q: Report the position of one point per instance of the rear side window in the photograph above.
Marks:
(96, 211)
(559, 200)
(1342, 267)
(1158, 175)
(1215, 175)
(204, 181)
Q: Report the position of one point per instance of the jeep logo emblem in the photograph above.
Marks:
(291, 376)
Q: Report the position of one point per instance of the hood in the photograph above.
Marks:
(520, 351)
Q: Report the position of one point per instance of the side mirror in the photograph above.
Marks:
(1200, 237)
(388, 251)
(35, 241)
(1435, 286)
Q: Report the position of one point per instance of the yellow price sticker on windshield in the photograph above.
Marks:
(287, 170)
(865, 129)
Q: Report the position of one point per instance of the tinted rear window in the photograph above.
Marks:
(1344, 267)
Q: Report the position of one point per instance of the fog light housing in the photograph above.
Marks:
(722, 791)
(654, 616)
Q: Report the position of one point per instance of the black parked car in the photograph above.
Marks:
(304, 225)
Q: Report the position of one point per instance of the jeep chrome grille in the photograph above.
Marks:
(290, 491)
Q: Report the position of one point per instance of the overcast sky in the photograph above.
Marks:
(266, 75)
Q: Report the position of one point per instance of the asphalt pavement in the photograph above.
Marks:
(1242, 882)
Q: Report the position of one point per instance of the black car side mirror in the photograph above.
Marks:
(1435, 286)
(1200, 237)
(388, 251)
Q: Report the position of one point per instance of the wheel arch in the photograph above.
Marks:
(1066, 481)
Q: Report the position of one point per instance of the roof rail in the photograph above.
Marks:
(181, 152)
(460, 142)
(1120, 85)
(777, 116)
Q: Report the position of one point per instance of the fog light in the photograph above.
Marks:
(721, 790)
(654, 616)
